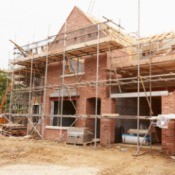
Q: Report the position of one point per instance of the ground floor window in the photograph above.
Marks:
(128, 107)
(35, 109)
(68, 109)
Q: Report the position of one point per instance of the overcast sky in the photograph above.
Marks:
(26, 21)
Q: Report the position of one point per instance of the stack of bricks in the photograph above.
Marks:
(168, 138)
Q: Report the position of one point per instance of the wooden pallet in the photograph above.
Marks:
(85, 143)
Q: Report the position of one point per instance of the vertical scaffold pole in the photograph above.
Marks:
(62, 80)
(30, 90)
(138, 79)
(11, 93)
(96, 86)
(45, 89)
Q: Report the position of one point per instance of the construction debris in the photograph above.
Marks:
(14, 129)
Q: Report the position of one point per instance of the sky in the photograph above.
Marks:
(25, 21)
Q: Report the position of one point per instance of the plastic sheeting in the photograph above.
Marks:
(163, 119)
(132, 139)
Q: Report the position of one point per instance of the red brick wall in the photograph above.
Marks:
(107, 128)
(168, 139)
(168, 135)
(86, 122)
(119, 58)
(107, 131)
(107, 104)
(76, 20)
(168, 103)
(55, 71)
(90, 124)
(75, 30)
(81, 122)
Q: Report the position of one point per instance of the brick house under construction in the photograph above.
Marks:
(87, 76)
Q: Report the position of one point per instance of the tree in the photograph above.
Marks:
(4, 82)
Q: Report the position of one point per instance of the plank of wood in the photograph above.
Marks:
(110, 115)
(134, 131)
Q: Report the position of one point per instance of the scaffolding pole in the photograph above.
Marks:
(96, 87)
(45, 90)
(150, 89)
(11, 95)
(138, 81)
(62, 79)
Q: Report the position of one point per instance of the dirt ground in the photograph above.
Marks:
(26, 156)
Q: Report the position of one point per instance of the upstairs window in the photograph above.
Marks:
(74, 66)
(37, 81)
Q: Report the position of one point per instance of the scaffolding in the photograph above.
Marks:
(153, 67)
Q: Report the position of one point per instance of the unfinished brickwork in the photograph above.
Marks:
(168, 103)
(107, 128)
(85, 93)
(168, 135)
(168, 138)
